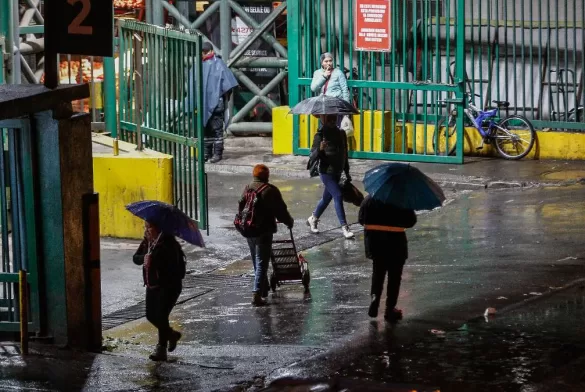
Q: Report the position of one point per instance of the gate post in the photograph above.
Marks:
(294, 51)
(460, 78)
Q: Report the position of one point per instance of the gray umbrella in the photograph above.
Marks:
(324, 104)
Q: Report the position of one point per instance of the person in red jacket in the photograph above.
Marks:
(163, 270)
(386, 244)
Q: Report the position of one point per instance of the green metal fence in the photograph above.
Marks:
(399, 92)
(158, 68)
(530, 53)
(18, 224)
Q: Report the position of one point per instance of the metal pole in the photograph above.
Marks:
(15, 49)
(23, 291)
(110, 96)
(138, 89)
(225, 27)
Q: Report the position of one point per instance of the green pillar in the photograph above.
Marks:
(110, 96)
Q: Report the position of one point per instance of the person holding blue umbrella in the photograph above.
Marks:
(395, 190)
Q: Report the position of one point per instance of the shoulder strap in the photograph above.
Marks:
(261, 188)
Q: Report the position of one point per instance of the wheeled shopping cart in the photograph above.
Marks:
(287, 265)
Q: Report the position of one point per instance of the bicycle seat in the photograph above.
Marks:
(502, 104)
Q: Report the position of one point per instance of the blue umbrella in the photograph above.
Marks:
(169, 219)
(403, 186)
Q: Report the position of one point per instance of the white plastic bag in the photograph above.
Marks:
(347, 126)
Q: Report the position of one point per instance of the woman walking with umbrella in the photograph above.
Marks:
(163, 266)
(395, 190)
(329, 153)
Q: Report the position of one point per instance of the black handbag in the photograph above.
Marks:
(313, 167)
(350, 193)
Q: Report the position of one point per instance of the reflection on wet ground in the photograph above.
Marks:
(517, 351)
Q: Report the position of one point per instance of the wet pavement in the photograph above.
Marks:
(497, 248)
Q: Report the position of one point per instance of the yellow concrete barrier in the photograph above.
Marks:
(373, 121)
(282, 130)
(126, 178)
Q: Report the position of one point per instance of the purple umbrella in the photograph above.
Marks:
(169, 219)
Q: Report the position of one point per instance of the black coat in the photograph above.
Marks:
(333, 159)
(385, 244)
(270, 208)
(167, 266)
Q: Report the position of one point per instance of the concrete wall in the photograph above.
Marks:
(129, 177)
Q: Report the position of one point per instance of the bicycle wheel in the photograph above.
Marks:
(514, 137)
(446, 146)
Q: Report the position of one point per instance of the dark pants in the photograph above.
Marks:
(394, 267)
(159, 303)
(332, 191)
(260, 248)
(214, 135)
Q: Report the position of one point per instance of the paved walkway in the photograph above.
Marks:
(476, 173)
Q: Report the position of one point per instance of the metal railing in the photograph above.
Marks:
(2, 41)
(160, 104)
(530, 53)
(17, 224)
(397, 91)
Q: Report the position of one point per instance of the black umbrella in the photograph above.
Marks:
(324, 104)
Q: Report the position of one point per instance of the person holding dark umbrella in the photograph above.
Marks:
(163, 265)
(163, 270)
(395, 190)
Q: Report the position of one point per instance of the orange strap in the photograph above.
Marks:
(385, 228)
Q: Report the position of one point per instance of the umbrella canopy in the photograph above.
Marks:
(324, 104)
(403, 186)
(169, 219)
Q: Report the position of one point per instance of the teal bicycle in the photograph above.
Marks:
(512, 136)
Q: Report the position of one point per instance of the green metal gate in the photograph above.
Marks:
(402, 94)
(158, 68)
(18, 224)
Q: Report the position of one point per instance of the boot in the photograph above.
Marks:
(257, 300)
(215, 159)
(159, 353)
(393, 315)
(373, 310)
(173, 339)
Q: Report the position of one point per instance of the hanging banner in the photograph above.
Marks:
(373, 25)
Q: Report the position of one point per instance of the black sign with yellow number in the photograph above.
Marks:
(84, 27)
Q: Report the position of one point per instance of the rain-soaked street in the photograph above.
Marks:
(512, 250)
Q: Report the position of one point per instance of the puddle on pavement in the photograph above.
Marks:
(564, 175)
(471, 360)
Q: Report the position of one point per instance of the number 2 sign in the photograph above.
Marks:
(84, 27)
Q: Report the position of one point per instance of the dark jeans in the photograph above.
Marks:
(332, 191)
(260, 248)
(394, 267)
(214, 135)
(159, 303)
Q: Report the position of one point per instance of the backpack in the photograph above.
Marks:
(248, 219)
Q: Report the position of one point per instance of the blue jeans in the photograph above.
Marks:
(260, 248)
(332, 191)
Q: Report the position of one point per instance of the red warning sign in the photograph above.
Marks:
(373, 25)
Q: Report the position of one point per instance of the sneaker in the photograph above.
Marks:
(346, 232)
(159, 353)
(312, 222)
(373, 310)
(173, 339)
(393, 315)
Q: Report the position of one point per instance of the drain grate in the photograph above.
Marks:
(216, 281)
(193, 286)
